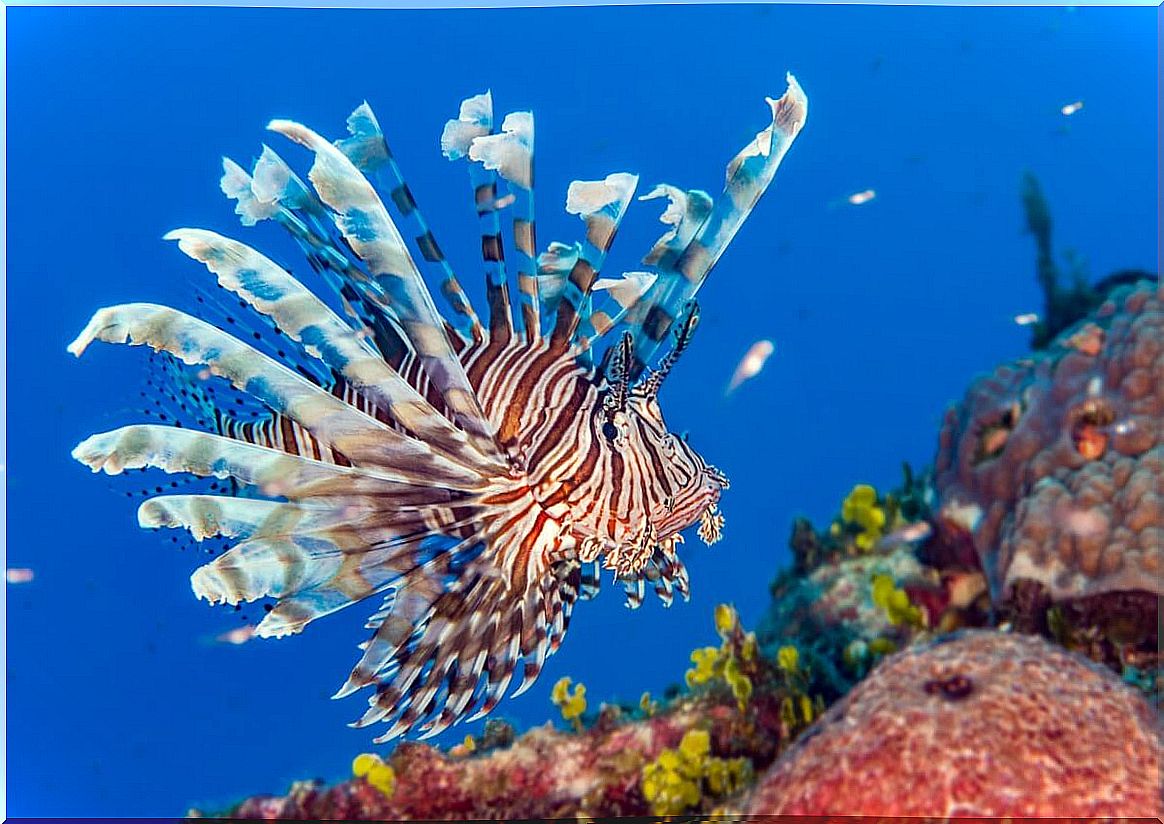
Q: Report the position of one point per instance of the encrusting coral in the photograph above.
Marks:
(979, 723)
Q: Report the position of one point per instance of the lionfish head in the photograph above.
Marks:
(687, 488)
(665, 485)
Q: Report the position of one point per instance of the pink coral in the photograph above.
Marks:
(980, 724)
(1055, 462)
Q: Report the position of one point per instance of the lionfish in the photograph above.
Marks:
(477, 473)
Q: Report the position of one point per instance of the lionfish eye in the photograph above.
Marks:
(609, 430)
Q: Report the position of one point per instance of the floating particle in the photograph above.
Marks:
(238, 635)
(858, 198)
(1124, 427)
(751, 364)
(18, 575)
(1026, 320)
(1072, 108)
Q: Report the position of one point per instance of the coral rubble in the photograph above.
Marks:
(979, 723)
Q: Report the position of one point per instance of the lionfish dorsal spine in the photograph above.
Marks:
(703, 228)
(274, 191)
(362, 219)
(369, 152)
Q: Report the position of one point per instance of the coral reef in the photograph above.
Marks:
(980, 641)
(689, 755)
(980, 723)
(609, 769)
(1053, 463)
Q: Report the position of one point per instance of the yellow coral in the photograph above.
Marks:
(727, 776)
(748, 647)
(676, 780)
(647, 705)
(724, 662)
(861, 509)
(788, 659)
(708, 666)
(466, 748)
(895, 602)
(570, 704)
(740, 684)
(372, 769)
(726, 620)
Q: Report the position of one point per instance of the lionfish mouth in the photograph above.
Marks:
(716, 475)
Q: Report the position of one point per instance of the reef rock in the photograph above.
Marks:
(977, 723)
(1055, 462)
(543, 773)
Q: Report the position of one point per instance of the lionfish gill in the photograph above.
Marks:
(476, 471)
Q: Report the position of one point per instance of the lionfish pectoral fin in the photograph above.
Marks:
(458, 628)
(304, 318)
(361, 438)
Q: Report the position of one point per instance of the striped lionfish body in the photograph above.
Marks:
(475, 472)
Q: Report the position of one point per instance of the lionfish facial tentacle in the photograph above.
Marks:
(654, 380)
(711, 526)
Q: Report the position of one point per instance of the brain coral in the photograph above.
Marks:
(981, 723)
(1055, 462)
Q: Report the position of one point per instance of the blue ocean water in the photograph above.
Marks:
(119, 704)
